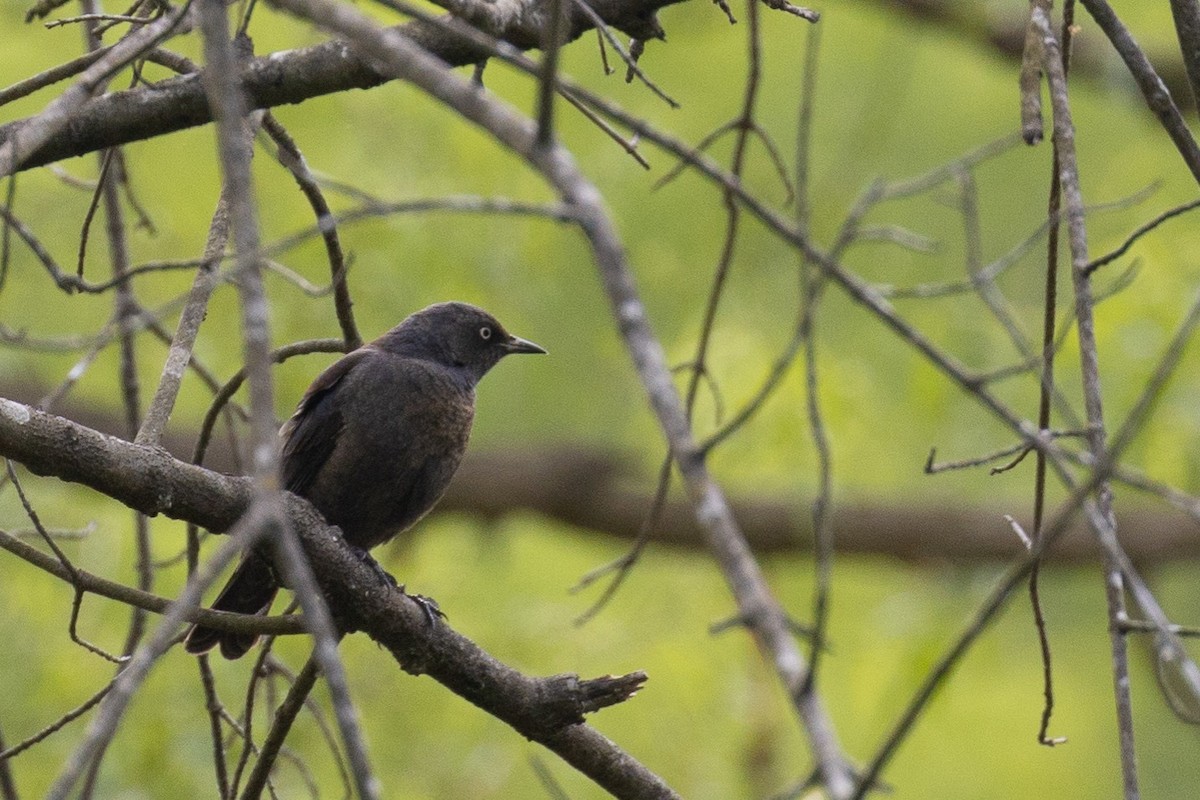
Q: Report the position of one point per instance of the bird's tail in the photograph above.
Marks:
(250, 590)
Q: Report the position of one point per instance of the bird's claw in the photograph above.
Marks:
(432, 611)
(382, 574)
(428, 605)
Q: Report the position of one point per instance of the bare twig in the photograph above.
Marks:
(180, 353)
(226, 392)
(134, 673)
(1141, 231)
(1064, 145)
(15, 151)
(812, 285)
(290, 156)
(49, 77)
(8, 786)
(997, 599)
(1153, 89)
(212, 704)
(285, 715)
(297, 574)
(634, 70)
(553, 32)
(1046, 389)
(54, 727)
(1187, 28)
(136, 598)
(1031, 81)
(75, 578)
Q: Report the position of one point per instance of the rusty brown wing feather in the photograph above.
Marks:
(311, 433)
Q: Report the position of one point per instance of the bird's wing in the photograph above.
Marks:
(311, 433)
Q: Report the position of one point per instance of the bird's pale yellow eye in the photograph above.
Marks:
(485, 333)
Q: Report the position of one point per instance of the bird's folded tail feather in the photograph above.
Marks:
(250, 590)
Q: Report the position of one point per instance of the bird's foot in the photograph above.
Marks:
(432, 611)
(382, 574)
(428, 605)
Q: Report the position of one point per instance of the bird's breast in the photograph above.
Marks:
(405, 428)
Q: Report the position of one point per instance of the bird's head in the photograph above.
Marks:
(456, 335)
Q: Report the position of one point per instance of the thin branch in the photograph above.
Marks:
(1153, 89)
(1064, 146)
(621, 567)
(996, 600)
(1187, 29)
(234, 146)
(634, 70)
(811, 288)
(281, 725)
(184, 340)
(226, 392)
(50, 76)
(79, 18)
(1046, 389)
(136, 598)
(212, 704)
(628, 146)
(8, 785)
(244, 727)
(63, 562)
(56, 726)
(274, 666)
(1031, 80)
(290, 156)
(553, 32)
(34, 133)
(10, 199)
(131, 677)
(1141, 231)
(296, 573)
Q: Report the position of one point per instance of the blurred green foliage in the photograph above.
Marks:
(894, 99)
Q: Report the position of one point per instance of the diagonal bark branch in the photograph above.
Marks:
(1158, 97)
(547, 710)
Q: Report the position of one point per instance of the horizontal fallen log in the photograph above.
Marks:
(590, 490)
(598, 492)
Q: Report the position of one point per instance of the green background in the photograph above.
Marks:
(895, 98)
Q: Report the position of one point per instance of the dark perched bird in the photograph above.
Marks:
(375, 440)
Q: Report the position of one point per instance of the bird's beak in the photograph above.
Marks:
(516, 344)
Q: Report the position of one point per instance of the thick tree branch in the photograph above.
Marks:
(547, 710)
(18, 143)
(293, 76)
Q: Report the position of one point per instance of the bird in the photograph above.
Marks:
(374, 441)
